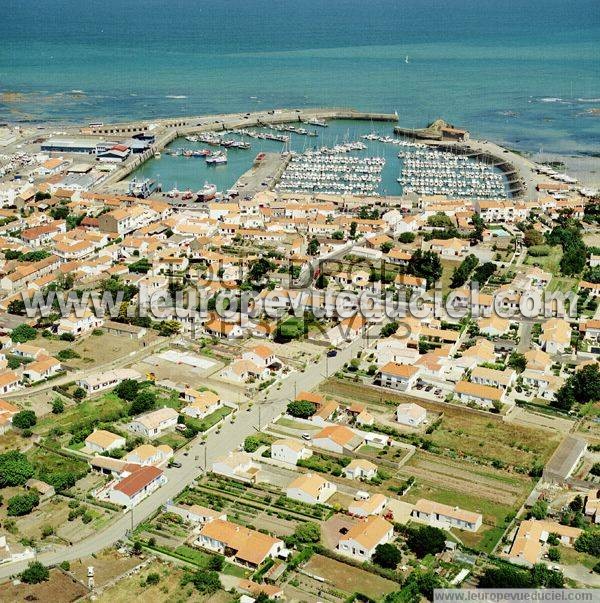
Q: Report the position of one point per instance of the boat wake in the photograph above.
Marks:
(176, 96)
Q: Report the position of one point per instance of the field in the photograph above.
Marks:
(349, 579)
(105, 408)
(463, 431)
(550, 262)
(60, 588)
(107, 564)
(448, 267)
(95, 350)
(169, 588)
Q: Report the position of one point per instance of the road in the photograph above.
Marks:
(217, 444)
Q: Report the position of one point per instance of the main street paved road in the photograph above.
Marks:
(231, 436)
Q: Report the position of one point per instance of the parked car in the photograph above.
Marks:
(176, 464)
(306, 436)
(331, 353)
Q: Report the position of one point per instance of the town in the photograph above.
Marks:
(239, 425)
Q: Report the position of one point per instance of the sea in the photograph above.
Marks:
(525, 73)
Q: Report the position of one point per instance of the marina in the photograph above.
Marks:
(420, 167)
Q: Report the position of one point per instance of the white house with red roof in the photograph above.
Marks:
(131, 490)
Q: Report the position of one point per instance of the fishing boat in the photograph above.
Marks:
(143, 188)
(207, 192)
(220, 157)
(187, 195)
(316, 122)
(157, 155)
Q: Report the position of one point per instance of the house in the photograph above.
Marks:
(310, 488)
(195, 513)
(410, 414)
(79, 325)
(445, 516)
(152, 424)
(414, 284)
(337, 438)
(147, 454)
(237, 465)
(201, 404)
(493, 377)
(263, 356)
(7, 412)
(532, 537)
(564, 460)
(216, 327)
(44, 490)
(494, 326)
(9, 382)
(484, 395)
(360, 469)
(100, 441)
(241, 371)
(556, 336)
(538, 361)
(592, 505)
(289, 451)
(246, 546)
(131, 490)
(98, 382)
(447, 248)
(44, 368)
(398, 376)
(362, 539)
(374, 505)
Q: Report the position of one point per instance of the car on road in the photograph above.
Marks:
(331, 353)
(306, 436)
(175, 464)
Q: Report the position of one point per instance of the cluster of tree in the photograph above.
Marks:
(258, 270)
(484, 272)
(253, 442)
(305, 533)
(440, 220)
(592, 275)
(425, 540)
(114, 286)
(23, 333)
(427, 265)
(35, 573)
(141, 266)
(368, 214)
(313, 246)
(589, 542)
(463, 272)
(533, 237)
(23, 504)
(418, 584)
(24, 419)
(517, 361)
(387, 556)
(407, 237)
(581, 387)
(389, 329)
(508, 576)
(568, 235)
(478, 228)
(206, 582)
(30, 256)
(15, 469)
(301, 409)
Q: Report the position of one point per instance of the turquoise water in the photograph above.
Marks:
(523, 72)
(190, 173)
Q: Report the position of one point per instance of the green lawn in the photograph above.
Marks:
(550, 262)
(105, 408)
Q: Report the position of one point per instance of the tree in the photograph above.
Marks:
(439, 220)
(425, 265)
(17, 306)
(15, 469)
(462, 273)
(35, 573)
(573, 260)
(389, 329)
(127, 389)
(338, 235)
(353, 227)
(387, 555)
(137, 547)
(533, 237)
(483, 272)
(152, 578)
(22, 504)
(258, 270)
(553, 554)
(425, 540)
(407, 237)
(252, 443)
(207, 582)
(301, 408)
(79, 393)
(505, 576)
(23, 333)
(582, 387)
(307, 532)
(24, 419)
(595, 470)
(166, 328)
(313, 246)
(144, 401)
(589, 542)
(216, 562)
(58, 406)
(576, 504)
(517, 361)
(387, 247)
(539, 510)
